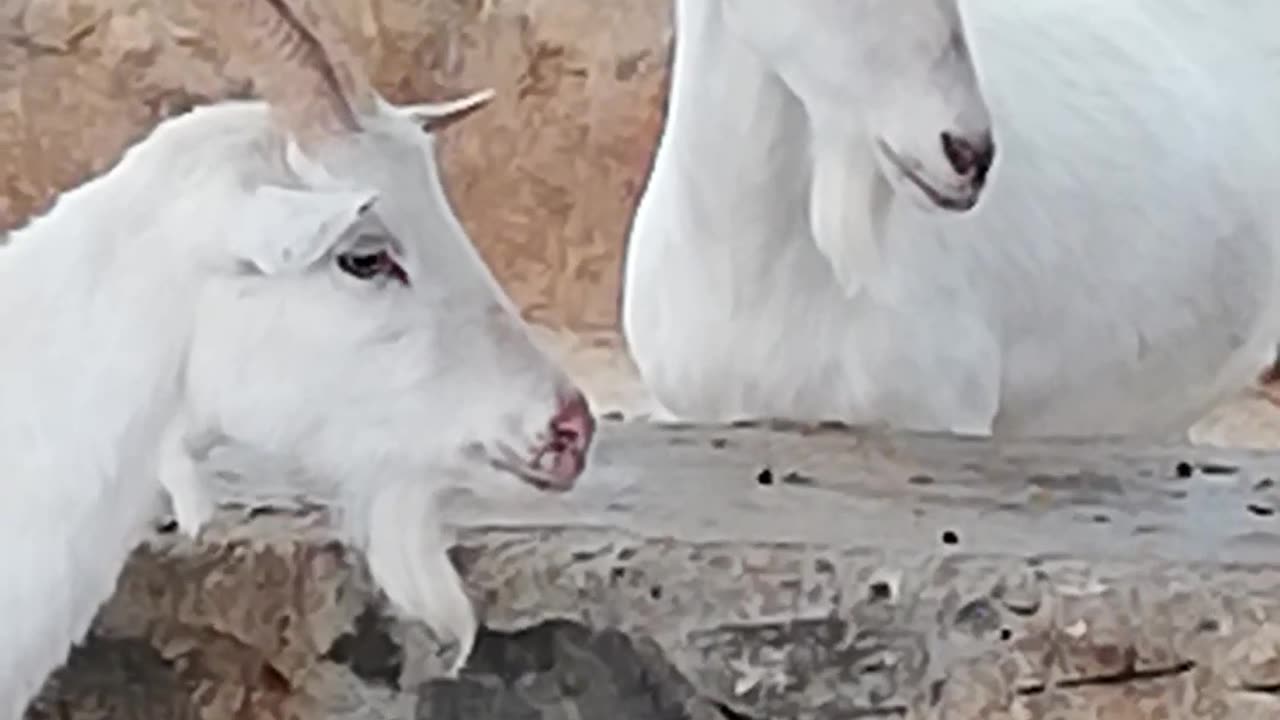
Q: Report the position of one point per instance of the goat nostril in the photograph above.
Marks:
(573, 424)
(959, 153)
(969, 156)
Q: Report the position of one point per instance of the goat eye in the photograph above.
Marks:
(367, 266)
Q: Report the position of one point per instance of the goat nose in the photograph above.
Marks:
(970, 156)
(572, 429)
(574, 424)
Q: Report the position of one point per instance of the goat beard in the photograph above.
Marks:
(849, 200)
(406, 542)
(395, 519)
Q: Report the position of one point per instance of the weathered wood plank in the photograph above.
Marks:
(876, 575)
(1104, 499)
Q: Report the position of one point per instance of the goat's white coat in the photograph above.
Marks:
(136, 342)
(1118, 275)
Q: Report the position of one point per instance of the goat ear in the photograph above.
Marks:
(286, 229)
(435, 116)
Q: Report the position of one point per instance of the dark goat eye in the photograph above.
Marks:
(367, 266)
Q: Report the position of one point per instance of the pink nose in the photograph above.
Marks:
(565, 454)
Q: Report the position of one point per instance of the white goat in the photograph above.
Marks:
(788, 256)
(286, 276)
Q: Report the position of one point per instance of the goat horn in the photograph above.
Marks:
(292, 67)
(435, 116)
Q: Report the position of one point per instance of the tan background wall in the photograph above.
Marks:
(545, 179)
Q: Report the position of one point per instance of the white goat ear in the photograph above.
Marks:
(436, 116)
(286, 229)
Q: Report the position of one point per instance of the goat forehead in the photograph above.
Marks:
(398, 161)
(387, 160)
(402, 170)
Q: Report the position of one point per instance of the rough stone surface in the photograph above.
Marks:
(545, 179)
(775, 571)
(698, 573)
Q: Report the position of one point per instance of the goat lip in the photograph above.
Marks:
(539, 479)
(954, 203)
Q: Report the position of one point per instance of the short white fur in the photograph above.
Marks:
(188, 299)
(1118, 275)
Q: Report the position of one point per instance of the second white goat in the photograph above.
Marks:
(811, 243)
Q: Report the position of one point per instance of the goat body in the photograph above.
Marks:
(1119, 276)
(95, 300)
(222, 285)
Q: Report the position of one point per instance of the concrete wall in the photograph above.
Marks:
(747, 573)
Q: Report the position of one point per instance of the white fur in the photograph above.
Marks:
(188, 299)
(1118, 275)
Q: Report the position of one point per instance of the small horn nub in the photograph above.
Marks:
(310, 80)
